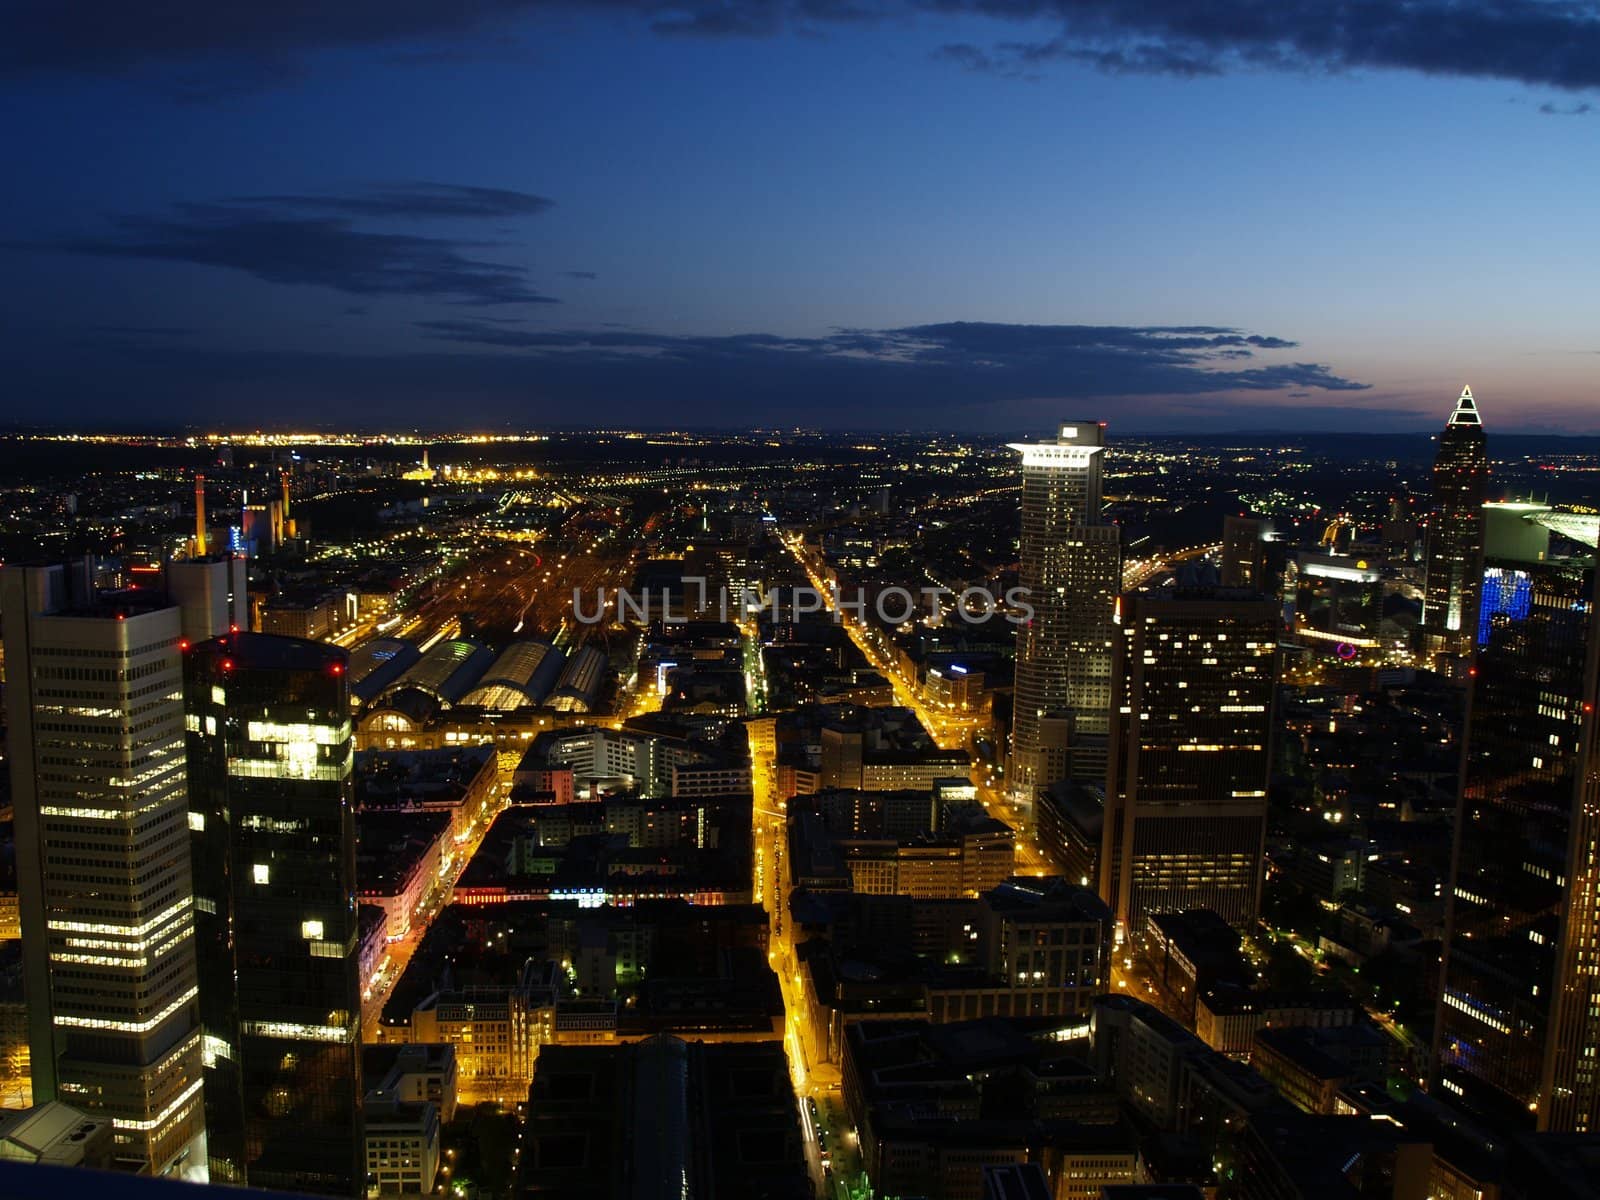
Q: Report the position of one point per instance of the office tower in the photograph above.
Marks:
(1244, 553)
(94, 703)
(1071, 570)
(1518, 1027)
(1186, 787)
(1455, 533)
(1400, 527)
(270, 807)
(210, 594)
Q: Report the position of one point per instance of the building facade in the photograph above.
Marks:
(94, 705)
(1071, 571)
(271, 815)
(1455, 533)
(1519, 1016)
(1186, 786)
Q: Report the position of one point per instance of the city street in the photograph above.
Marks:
(400, 951)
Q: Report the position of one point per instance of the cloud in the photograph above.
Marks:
(947, 366)
(489, 372)
(311, 241)
(1526, 41)
(965, 54)
(410, 200)
(1566, 110)
(1146, 58)
(1540, 42)
(580, 275)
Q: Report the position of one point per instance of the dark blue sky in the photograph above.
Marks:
(1282, 214)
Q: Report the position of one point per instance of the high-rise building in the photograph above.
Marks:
(1245, 559)
(270, 754)
(1519, 1018)
(1071, 569)
(1186, 786)
(1454, 577)
(94, 703)
(211, 595)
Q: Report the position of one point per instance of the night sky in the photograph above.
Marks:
(957, 214)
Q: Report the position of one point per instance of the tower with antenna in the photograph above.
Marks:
(1453, 583)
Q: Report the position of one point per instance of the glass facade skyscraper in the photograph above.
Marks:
(1071, 568)
(272, 824)
(1519, 1015)
(1454, 577)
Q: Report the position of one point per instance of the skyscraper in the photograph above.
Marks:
(94, 702)
(211, 595)
(273, 836)
(1519, 1018)
(1071, 568)
(1455, 533)
(1186, 787)
(1245, 561)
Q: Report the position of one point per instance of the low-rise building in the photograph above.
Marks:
(402, 1145)
(1227, 1018)
(16, 1079)
(459, 781)
(716, 1119)
(312, 617)
(495, 1032)
(1168, 1075)
(1195, 950)
(1310, 1067)
(413, 1072)
(1029, 948)
(399, 857)
(58, 1135)
(937, 1105)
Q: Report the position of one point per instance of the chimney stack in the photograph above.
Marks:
(199, 515)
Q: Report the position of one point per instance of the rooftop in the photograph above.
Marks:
(270, 652)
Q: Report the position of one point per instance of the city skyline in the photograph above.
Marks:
(462, 862)
(800, 599)
(916, 218)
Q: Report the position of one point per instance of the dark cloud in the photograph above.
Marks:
(1544, 42)
(409, 200)
(1146, 58)
(580, 275)
(288, 239)
(1567, 110)
(958, 375)
(104, 35)
(965, 54)
(1527, 41)
(958, 362)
